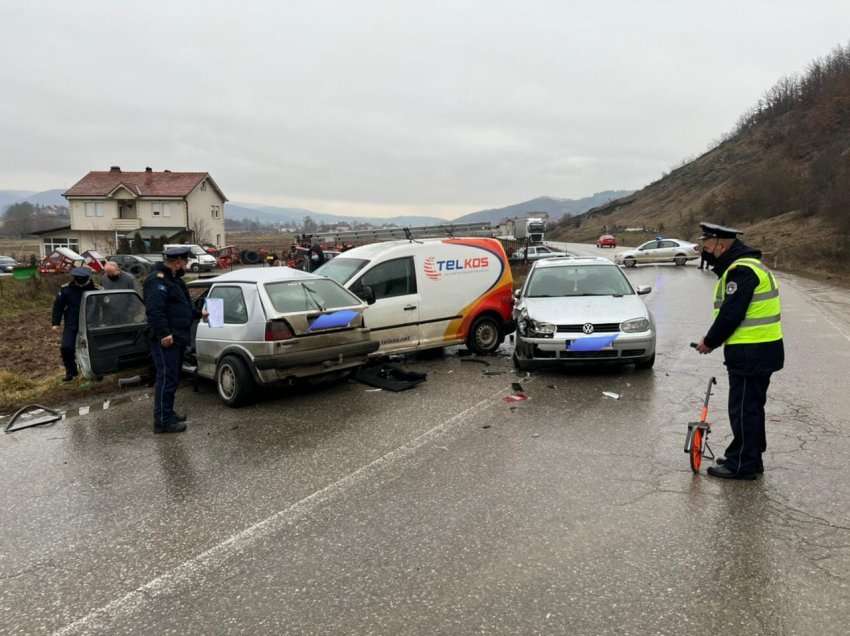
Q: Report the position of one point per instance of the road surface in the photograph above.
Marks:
(445, 510)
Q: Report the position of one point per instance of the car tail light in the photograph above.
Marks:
(278, 330)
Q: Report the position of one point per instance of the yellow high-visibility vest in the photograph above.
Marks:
(762, 322)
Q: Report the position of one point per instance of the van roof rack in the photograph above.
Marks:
(449, 230)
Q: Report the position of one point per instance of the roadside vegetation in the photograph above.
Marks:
(782, 175)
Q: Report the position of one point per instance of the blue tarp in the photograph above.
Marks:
(592, 343)
(336, 320)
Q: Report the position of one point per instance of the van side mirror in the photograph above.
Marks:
(367, 294)
(643, 290)
(517, 293)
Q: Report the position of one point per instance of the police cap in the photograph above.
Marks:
(712, 230)
(81, 272)
(178, 251)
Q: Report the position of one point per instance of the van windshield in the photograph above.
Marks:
(197, 250)
(341, 269)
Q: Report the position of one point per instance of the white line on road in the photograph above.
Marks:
(184, 574)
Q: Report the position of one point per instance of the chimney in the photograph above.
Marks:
(114, 168)
(148, 169)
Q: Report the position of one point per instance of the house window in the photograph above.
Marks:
(93, 208)
(215, 211)
(161, 209)
(51, 244)
(203, 185)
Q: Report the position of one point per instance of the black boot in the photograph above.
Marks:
(721, 461)
(170, 427)
(724, 473)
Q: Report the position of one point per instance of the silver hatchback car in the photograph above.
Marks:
(279, 324)
(582, 310)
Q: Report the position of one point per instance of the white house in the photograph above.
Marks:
(106, 206)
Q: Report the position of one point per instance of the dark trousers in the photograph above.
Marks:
(167, 362)
(68, 349)
(747, 397)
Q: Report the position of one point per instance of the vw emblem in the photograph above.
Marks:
(587, 328)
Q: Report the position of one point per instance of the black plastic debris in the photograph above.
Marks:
(390, 377)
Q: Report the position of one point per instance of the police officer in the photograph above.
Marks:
(170, 314)
(66, 307)
(747, 322)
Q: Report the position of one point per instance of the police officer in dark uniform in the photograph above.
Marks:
(170, 314)
(66, 308)
(747, 321)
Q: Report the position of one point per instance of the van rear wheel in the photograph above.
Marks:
(485, 335)
(234, 382)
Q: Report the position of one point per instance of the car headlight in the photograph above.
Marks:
(543, 329)
(635, 325)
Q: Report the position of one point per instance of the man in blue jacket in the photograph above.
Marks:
(170, 314)
(66, 308)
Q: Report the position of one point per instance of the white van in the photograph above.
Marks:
(430, 293)
(199, 261)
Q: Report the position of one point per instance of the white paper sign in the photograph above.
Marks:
(215, 308)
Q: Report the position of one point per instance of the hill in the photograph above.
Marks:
(556, 208)
(782, 176)
(268, 214)
(46, 198)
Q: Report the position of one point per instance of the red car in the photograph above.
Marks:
(606, 240)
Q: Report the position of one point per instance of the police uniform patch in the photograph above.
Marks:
(731, 288)
(160, 275)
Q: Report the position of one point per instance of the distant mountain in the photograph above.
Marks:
(271, 214)
(556, 208)
(46, 198)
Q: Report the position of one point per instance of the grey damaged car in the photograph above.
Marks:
(582, 310)
(280, 325)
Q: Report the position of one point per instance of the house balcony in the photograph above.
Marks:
(126, 225)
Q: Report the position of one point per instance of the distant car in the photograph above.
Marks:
(536, 253)
(582, 310)
(279, 324)
(138, 266)
(7, 264)
(660, 251)
(606, 240)
(199, 261)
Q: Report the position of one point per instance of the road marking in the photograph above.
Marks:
(183, 575)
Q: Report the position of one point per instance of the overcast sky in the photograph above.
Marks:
(389, 107)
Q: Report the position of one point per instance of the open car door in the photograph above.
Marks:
(113, 333)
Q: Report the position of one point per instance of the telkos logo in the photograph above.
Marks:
(435, 269)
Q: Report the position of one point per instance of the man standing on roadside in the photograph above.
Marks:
(747, 322)
(66, 308)
(114, 278)
(170, 315)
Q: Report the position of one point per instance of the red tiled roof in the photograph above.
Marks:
(144, 184)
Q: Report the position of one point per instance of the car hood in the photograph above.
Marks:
(582, 309)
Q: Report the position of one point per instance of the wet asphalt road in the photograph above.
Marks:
(445, 511)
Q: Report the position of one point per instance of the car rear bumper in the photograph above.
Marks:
(315, 361)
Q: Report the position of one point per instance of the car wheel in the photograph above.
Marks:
(485, 335)
(646, 363)
(234, 382)
(629, 261)
(137, 269)
(680, 260)
(194, 268)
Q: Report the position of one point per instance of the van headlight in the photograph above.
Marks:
(542, 329)
(635, 325)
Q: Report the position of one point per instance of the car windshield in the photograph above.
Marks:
(341, 269)
(309, 295)
(580, 280)
(6, 259)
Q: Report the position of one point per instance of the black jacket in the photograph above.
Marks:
(745, 359)
(168, 306)
(66, 306)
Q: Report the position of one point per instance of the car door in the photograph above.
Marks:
(648, 252)
(113, 333)
(394, 316)
(667, 250)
